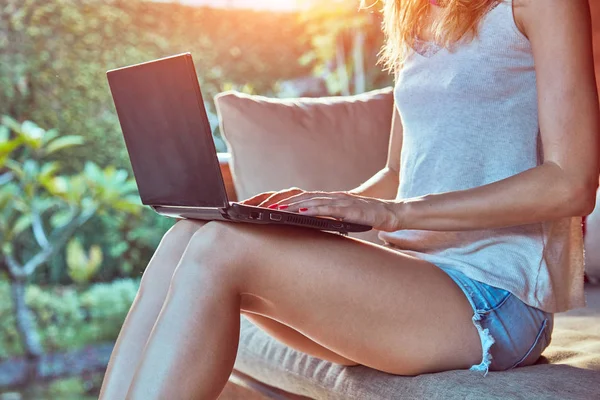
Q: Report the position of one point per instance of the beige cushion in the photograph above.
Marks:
(331, 143)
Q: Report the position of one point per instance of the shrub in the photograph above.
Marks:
(68, 318)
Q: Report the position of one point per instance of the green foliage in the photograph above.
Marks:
(65, 389)
(68, 318)
(34, 197)
(10, 343)
(106, 189)
(59, 318)
(128, 242)
(75, 388)
(107, 303)
(24, 194)
(127, 245)
(55, 54)
(82, 267)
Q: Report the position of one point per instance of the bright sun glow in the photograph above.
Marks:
(257, 4)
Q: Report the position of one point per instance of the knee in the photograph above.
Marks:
(184, 228)
(169, 252)
(179, 235)
(217, 240)
(212, 251)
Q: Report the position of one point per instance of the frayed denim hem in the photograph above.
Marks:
(486, 343)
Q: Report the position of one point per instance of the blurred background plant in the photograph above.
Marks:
(344, 47)
(41, 210)
(74, 236)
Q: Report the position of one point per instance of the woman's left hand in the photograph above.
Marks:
(380, 214)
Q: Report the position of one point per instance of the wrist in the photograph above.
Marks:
(398, 217)
(405, 212)
(400, 214)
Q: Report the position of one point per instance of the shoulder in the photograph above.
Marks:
(534, 15)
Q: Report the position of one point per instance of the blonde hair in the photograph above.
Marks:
(403, 19)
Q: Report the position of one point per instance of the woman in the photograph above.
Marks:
(481, 217)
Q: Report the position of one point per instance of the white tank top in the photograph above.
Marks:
(470, 117)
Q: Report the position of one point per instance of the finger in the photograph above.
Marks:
(307, 195)
(277, 197)
(334, 211)
(310, 202)
(257, 199)
(317, 201)
(342, 213)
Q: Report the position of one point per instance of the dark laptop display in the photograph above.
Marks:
(167, 134)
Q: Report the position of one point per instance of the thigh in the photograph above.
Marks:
(294, 339)
(158, 275)
(368, 303)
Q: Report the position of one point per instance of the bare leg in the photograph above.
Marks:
(144, 310)
(149, 301)
(295, 339)
(368, 304)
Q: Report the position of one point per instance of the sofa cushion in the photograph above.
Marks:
(568, 369)
(327, 143)
(592, 243)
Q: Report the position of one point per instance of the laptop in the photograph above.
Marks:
(169, 141)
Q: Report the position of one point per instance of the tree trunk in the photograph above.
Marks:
(26, 327)
(340, 56)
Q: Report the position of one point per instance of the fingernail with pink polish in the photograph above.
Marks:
(303, 209)
(273, 206)
(283, 207)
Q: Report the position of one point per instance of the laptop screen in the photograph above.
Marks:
(167, 133)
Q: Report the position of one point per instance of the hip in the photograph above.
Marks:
(513, 334)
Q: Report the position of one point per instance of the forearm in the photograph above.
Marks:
(538, 194)
(382, 185)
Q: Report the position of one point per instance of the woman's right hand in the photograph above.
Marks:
(267, 199)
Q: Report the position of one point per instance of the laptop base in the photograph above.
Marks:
(253, 215)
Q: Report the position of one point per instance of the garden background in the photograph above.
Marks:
(74, 236)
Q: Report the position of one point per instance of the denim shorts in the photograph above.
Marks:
(513, 334)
